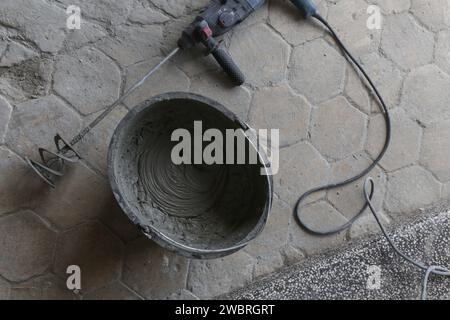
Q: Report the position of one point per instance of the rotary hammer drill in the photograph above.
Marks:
(220, 17)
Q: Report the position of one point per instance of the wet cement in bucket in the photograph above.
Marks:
(202, 206)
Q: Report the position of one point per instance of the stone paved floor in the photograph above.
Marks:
(55, 80)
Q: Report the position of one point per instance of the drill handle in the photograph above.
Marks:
(222, 57)
(228, 65)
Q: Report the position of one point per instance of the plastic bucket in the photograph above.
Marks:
(199, 210)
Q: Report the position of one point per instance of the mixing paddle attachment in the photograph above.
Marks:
(53, 164)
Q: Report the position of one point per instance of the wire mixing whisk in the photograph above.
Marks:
(52, 164)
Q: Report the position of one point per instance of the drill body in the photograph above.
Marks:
(219, 17)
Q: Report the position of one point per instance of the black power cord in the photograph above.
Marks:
(327, 187)
(309, 10)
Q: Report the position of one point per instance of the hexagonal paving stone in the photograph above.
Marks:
(411, 188)
(113, 12)
(113, 291)
(9, 89)
(265, 57)
(211, 278)
(219, 87)
(320, 216)
(292, 255)
(95, 145)
(287, 20)
(194, 5)
(435, 153)
(26, 244)
(15, 54)
(349, 199)
(35, 123)
(367, 225)
(386, 77)
(426, 94)
(405, 42)
(132, 44)
(349, 19)
(301, 169)
(317, 58)
(404, 147)
(435, 14)
(93, 248)
(119, 223)
(280, 108)
(174, 7)
(80, 195)
(169, 78)
(356, 92)
(443, 51)
(265, 264)
(48, 34)
(338, 129)
(88, 79)
(5, 115)
(267, 246)
(146, 15)
(18, 183)
(153, 271)
(89, 33)
(47, 287)
(27, 80)
(390, 6)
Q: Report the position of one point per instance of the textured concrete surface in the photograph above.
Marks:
(55, 80)
(368, 270)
